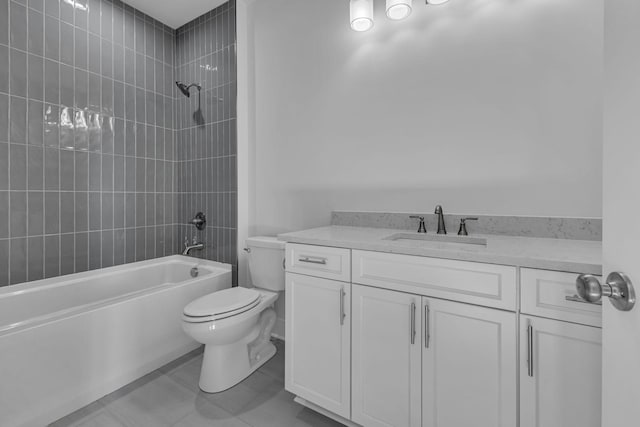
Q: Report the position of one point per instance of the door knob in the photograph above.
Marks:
(618, 288)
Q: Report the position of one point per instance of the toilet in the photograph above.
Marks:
(235, 324)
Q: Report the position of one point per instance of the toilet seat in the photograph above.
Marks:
(221, 305)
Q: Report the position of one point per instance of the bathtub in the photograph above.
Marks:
(67, 341)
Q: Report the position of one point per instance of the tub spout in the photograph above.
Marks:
(194, 247)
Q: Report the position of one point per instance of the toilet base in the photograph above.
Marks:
(224, 366)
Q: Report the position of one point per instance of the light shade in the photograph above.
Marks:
(398, 9)
(436, 1)
(361, 12)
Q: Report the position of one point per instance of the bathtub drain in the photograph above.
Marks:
(194, 272)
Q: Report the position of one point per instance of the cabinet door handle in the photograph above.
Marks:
(342, 313)
(576, 298)
(412, 318)
(313, 260)
(529, 348)
(427, 334)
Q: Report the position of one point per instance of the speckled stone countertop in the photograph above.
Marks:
(578, 256)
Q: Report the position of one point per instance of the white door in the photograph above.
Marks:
(621, 238)
(469, 366)
(385, 358)
(318, 334)
(554, 390)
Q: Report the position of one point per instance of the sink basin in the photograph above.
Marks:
(439, 238)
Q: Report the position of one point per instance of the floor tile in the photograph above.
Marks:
(206, 414)
(80, 416)
(182, 360)
(242, 396)
(188, 373)
(159, 402)
(275, 366)
(102, 419)
(171, 397)
(279, 410)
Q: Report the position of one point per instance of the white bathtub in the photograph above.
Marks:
(68, 341)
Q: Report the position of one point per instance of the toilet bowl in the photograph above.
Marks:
(235, 324)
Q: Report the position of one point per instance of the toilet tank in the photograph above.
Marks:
(266, 256)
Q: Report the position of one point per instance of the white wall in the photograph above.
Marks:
(483, 106)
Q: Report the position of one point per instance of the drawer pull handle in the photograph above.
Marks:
(412, 314)
(342, 313)
(427, 334)
(529, 348)
(576, 298)
(313, 260)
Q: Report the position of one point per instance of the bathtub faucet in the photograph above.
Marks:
(196, 246)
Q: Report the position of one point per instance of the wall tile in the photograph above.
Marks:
(51, 212)
(35, 264)
(4, 69)
(66, 43)
(18, 261)
(35, 168)
(90, 150)
(205, 168)
(95, 250)
(4, 214)
(35, 32)
(35, 207)
(51, 255)
(18, 77)
(4, 22)
(67, 254)
(18, 30)
(81, 252)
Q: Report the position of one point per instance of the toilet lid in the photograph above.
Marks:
(221, 302)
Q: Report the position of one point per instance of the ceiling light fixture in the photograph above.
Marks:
(398, 9)
(361, 12)
(436, 2)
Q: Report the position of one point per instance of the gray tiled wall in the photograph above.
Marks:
(206, 133)
(87, 135)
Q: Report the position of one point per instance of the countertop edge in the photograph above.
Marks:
(521, 262)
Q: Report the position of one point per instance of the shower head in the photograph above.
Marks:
(185, 89)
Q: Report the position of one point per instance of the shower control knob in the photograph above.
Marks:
(200, 221)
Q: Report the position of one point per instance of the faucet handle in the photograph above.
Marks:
(421, 227)
(462, 231)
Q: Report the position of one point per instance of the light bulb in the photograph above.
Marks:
(361, 12)
(398, 9)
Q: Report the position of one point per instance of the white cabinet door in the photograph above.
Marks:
(561, 387)
(318, 334)
(386, 358)
(469, 373)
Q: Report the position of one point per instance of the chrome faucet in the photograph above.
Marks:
(421, 226)
(196, 246)
(441, 227)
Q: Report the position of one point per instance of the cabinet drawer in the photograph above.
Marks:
(543, 293)
(475, 283)
(319, 261)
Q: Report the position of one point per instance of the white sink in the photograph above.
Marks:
(438, 238)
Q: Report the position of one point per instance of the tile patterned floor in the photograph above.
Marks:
(170, 397)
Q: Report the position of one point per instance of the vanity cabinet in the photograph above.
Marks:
(468, 365)
(386, 358)
(416, 360)
(560, 353)
(388, 340)
(318, 327)
(560, 375)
